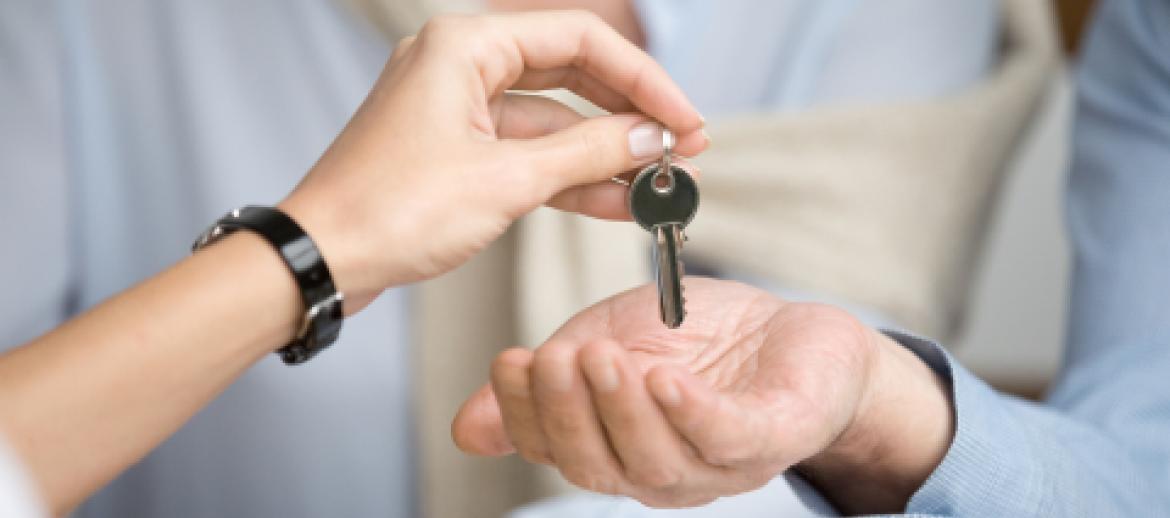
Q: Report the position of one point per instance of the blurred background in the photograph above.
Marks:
(1016, 325)
(905, 159)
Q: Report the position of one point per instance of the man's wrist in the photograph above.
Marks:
(902, 430)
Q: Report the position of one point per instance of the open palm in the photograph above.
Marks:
(748, 386)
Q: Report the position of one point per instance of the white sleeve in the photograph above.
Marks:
(18, 498)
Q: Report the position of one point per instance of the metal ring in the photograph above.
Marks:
(664, 167)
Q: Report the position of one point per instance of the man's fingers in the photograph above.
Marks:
(512, 386)
(723, 431)
(575, 437)
(651, 452)
(478, 428)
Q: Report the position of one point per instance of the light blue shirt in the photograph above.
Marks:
(1100, 444)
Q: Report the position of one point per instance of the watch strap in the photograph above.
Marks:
(321, 323)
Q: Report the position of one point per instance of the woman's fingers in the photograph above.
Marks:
(528, 116)
(576, 439)
(605, 200)
(401, 49)
(553, 39)
(597, 149)
(578, 82)
(550, 40)
(520, 116)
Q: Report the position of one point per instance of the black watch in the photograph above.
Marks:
(323, 314)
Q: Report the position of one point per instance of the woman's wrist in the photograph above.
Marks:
(343, 242)
(245, 254)
(902, 430)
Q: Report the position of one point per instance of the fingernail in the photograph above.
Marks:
(706, 136)
(603, 374)
(668, 393)
(646, 141)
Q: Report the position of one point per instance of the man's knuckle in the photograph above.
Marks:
(564, 422)
(535, 455)
(724, 455)
(656, 477)
(587, 480)
(548, 358)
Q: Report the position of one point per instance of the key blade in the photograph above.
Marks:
(668, 262)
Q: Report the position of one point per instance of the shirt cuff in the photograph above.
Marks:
(986, 470)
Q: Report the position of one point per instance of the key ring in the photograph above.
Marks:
(664, 166)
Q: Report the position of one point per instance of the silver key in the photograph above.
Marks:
(663, 199)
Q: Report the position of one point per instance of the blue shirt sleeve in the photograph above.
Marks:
(1100, 444)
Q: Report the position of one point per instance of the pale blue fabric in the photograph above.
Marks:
(745, 56)
(1100, 445)
(126, 126)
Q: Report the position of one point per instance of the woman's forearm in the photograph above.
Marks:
(413, 186)
(89, 399)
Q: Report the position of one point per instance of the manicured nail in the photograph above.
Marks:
(646, 141)
(603, 375)
(666, 388)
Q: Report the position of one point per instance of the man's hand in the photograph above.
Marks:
(748, 387)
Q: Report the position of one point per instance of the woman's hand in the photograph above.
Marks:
(748, 387)
(619, 14)
(440, 160)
